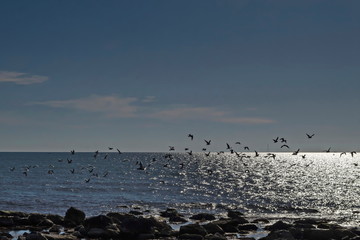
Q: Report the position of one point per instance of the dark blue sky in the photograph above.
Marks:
(141, 75)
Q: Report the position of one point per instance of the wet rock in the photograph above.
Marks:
(170, 212)
(145, 236)
(311, 221)
(177, 219)
(119, 217)
(228, 225)
(188, 236)
(95, 233)
(303, 225)
(36, 218)
(279, 225)
(14, 214)
(59, 237)
(21, 221)
(56, 219)
(318, 234)
(203, 216)
(100, 221)
(234, 214)
(247, 227)
(216, 236)
(7, 235)
(136, 213)
(261, 220)
(56, 228)
(6, 221)
(279, 235)
(35, 236)
(74, 216)
(46, 223)
(193, 229)
(213, 228)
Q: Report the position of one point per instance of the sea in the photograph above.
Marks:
(271, 185)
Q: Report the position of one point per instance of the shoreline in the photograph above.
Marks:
(167, 225)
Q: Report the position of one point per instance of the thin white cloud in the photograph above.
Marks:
(115, 107)
(110, 106)
(208, 114)
(149, 99)
(21, 78)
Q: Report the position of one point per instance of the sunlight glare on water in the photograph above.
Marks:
(320, 184)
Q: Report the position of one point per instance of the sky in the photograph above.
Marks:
(141, 75)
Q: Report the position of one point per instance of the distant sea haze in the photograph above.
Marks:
(279, 185)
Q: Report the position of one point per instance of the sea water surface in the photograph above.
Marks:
(287, 186)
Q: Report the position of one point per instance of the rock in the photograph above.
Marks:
(279, 235)
(136, 213)
(57, 219)
(118, 217)
(59, 237)
(56, 228)
(189, 236)
(6, 222)
(213, 228)
(261, 220)
(36, 218)
(144, 236)
(100, 221)
(170, 212)
(247, 227)
(6, 235)
(14, 214)
(46, 223)
(21, 221)
(216, 236)
(95, 233)
(203, 216)
(74, 216)
(193, 229)
(177, 219)
(228, 225)
(318, 234)
(234, 214)
(35, 236)
(279, 225)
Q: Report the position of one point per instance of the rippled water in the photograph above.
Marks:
(319, 185)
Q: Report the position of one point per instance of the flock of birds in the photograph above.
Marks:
(169, 156)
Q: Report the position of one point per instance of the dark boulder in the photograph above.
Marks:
(213, 228)
(36, 218)
(100, 221)
(74, 216)
(6, 222)
(177, 219)
(203, 216)
(188, 236)
(57, 219)
(193, 229)
(279, 225)
(35, 236)
(228, 225)
(279, 235)
(170, 212)
(215, 236)
(247, 227)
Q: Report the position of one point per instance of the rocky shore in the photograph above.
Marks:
(137, 226)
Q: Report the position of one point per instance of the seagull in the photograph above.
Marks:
(303, 156)
(87, 180)
(310, 136)
(190, 153)
(328, 150)
(256, 154)
(171, 148)
(51, 172)
(12, 169)
(72, 171)
(106, 155)
(110, 148)
(141, 166)
(69, 160)
(204, 149)
(118, 151)
(228, 146)
(296, 152)
(72, 152)
(352, 153)
(246, 148)
(191, 136)
(283, 140)
(207, 142)
(285, 146)
(207, 154)
(276, 139)
(343, 153)
(238, 143)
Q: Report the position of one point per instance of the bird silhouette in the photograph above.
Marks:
(310, 135)
(171, 148)
(72, 152)
(328, 150)
(207, 142)
(343, 153)
(118, 151)
(352, 153)
(276, 139)
(191, 136)
(296, 152)
(284, 146)
(228, 146)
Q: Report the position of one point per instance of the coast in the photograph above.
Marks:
(168, 225)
